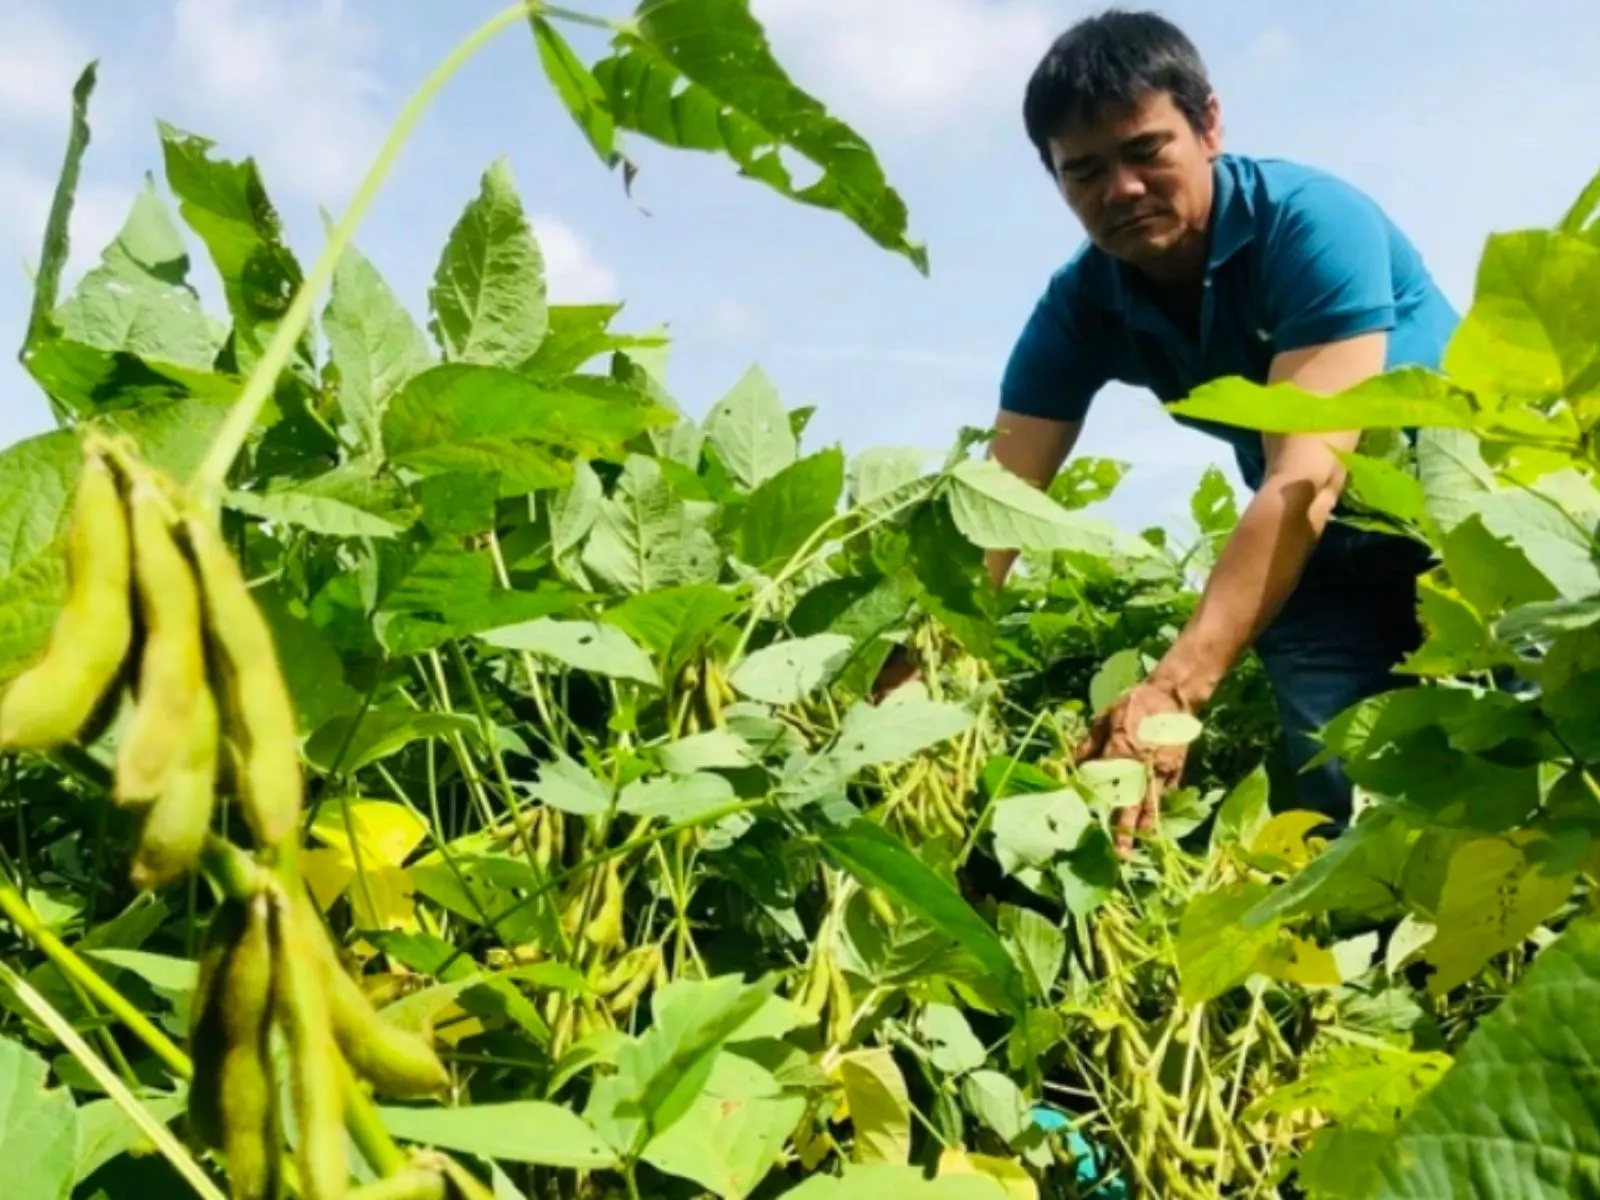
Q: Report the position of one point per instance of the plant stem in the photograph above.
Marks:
(85, 977)
(210, 477)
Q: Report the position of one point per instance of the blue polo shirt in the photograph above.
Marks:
(1297, 257)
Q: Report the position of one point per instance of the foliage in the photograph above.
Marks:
(599, 803)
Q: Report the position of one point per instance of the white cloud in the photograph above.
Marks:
(287, 80)
(920, 70)
(573, 272)
(40, 59)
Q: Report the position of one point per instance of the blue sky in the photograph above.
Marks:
(1461, 116)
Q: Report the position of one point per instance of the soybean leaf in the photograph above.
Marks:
(873, 1181)
(462, 417)
(227, 205)
(1039, 946)
(1213, 505)
(952, 1046)
(1524, 334)
(31, 596)
(789, 507)
(1397, 399)
(105, 1131)
(578, 334)
(374, 342)
(522, 1131)
(1385, 488)
(998, 510)
(38, 1127)
(788, 671)
(57, 245)
(881, 476)
(879, 1104)
(732, 1135)
(488, 293)
(1244, 812)
(317, 514)
(699, 74)
(366, 738)
(1516, 1115)
(1116, 675)
(713, 750)
(581, 645)
(647, 537)
(1087, 481)
(880, 860)
(1032, 830)
(674, 622)
(904, 724)
(580, 92)
(570, 787)
(138, 299)
(661, 1073)
(1215, 951)
(749, 430)
(673, 799)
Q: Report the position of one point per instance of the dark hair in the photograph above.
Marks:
(1111, 60)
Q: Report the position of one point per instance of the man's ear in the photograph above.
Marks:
(1213, 136)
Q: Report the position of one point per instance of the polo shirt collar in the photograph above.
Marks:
(1233, 227)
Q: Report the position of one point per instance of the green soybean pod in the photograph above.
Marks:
(261, 716)
(316, 1072)
(247, 1088)
(409, 1184)
(208, 1041)
(174, 828)
(172, 664)
(52, 702)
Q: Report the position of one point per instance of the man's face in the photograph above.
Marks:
(1139, 178)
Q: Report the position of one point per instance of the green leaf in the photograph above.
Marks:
(578, 334)
(879, 1105)
(874, 1181)
(1495, 894)
(787, 672)
(1526, 333)
(749, 430)
(883, 476)
(105, 1131)
(57, 245)
(1382, 487)
(138, 300)
(660, 1074)
(1454, 477)
(1085, 481)
(38, 1127)
(1169, 729)
(227, 205)
(578, 89)
(488, 294)
(580, 645)
(1038, 945)
(999, 510)
(699, 75)
(880, 860)
(676, 798)
(647, 537)
(714, 750)
(1216, 952)
(1245, 811)
(733, 1134)
(1517, 1114)
(374, 342)
(952, 1046)
(1396, 399)
(460, 503)
(1033, 830)
(366, 738)
(570, 787)
(1213, 505)
(902, 725)
(459, 417)
(521, 1131)
(1118, 674)
(316, 514)
(675, 622)
(31, 597)
(789, 507)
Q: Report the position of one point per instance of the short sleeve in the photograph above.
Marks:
(1328, 267)
(1055, 367)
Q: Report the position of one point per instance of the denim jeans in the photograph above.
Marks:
(1350, 620)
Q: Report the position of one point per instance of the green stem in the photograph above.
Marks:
(211, 476)
(85, 977)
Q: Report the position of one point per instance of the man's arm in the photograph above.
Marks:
(1266, 552)
(1034, 448)
(1255, 573)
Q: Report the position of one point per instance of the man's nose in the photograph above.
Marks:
(1123, 183)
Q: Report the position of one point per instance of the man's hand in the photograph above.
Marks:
(1115, 734)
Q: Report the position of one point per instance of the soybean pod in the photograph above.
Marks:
(172, 665)
(53, 701)
(261, 716)
(247, 1088)
(175, 826)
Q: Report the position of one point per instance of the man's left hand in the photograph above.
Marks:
(1114, 735)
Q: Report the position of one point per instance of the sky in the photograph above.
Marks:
(1461, 117)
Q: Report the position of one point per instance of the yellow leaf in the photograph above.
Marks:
(1284, 837)
(879, 1105)
(1010, 1175)
(384, 899)
(1295, 960)
(386, 832)
(328, 872)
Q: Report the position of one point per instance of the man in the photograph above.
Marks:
(1202, 264)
